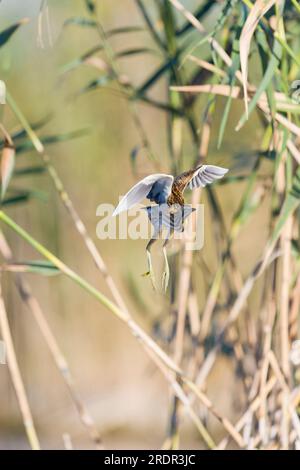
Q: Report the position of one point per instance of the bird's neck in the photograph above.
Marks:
(175, 198)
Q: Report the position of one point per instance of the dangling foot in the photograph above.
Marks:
(150, 271)
(166, 273)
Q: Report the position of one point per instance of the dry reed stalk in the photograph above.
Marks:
(284, 321)
(216, 286)
(253, 407)
(288, 407)
(247, 432)
(284, 290)
(6, 135)
(193, 312)
(208, 66)
(68, 445)
(294, 311)
(259, 9)
(215, 289)
(293, 151)
(44, 14)
(224, 421)
(285, 241)
(267, 258)
(236, 310)
(195, 324)
(17, 378)
(205, 401)
(268, 328)
(274, 445)
(262, 415)
(180, 393)
(183, 290)
(227, 256)
(238, 350)
(254, 389)
(59, 359)
(206, 366)
(211, 301)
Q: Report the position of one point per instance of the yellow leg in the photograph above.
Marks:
(166, 272)
(150, 271)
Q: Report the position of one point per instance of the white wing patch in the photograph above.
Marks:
(206, 174)
(141, 190)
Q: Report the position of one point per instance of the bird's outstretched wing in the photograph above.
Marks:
(198, 178)
(206, 174)
(154, 187)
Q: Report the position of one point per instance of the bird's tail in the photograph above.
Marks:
(171, 218)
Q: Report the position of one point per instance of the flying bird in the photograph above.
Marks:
(170, 210)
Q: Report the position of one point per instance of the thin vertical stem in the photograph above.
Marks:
(284, 298)
(284, 324)
(61, 363)
(17, 379)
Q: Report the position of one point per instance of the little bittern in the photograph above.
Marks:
(170, 211)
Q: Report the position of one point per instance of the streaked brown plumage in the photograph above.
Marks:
(179, 185)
